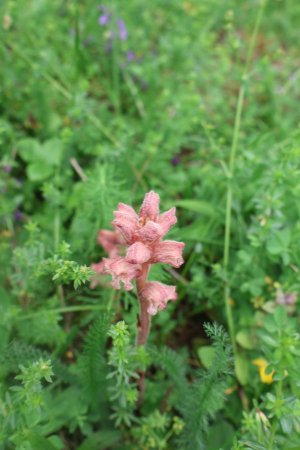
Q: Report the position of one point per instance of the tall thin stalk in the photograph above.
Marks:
(229, 196)
(144, 324)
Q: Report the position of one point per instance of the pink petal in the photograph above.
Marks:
(98, 267)
(109, 241)
(158, 294)
(100, 272)
(126, 221)
(121, 271)
(167, 220)
(138, 253)
(150, 206)
(125, 226)
(150, 232)
(168, 252)
(128, 210)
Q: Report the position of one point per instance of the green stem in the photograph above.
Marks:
(229, 195)
(116, 76)
(143, 327)
(274, 424)
(144, 321)
(56, 229)
(272, 437)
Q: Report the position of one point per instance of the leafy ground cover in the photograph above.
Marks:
(101, 103)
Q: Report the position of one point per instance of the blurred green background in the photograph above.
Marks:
(99, 103)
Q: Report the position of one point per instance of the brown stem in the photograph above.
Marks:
(144, 323)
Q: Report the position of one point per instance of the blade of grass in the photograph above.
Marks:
(231, 167)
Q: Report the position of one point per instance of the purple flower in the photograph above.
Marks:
(104, 19)
(122, 29)
(130, 55)
(18, 215)
(175, 160)
(285, 298)
(7, 168)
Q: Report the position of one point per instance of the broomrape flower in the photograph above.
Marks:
(134, 245)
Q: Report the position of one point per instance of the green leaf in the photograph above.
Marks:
(28, 149)
(241, 369)
(198, 206)
(280, 317)
(39, 171)
(206, 355)
(253, 445)
(51, 151)
(220, 436)
(279, 242)
(101, 440)
(286, 424)
(244, 339)
(40, 442)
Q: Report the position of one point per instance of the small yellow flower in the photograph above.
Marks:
(268, 280)
(262, 365)
(6, 22)
(258, 302)
(262, 221)
(5, 234)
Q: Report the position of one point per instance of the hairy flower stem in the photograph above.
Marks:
(143, 326)
(230, 175)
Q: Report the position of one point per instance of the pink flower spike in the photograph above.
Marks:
(157, 295)
(138, 253)
(168, 252)
(150, 206)
(150, 232)
(167, 220)
(121, 271)
(109, 241)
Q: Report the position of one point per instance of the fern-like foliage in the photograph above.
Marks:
(174, 365)
(95, 201)
(205, 397)
(93, 371)
(18, 353)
